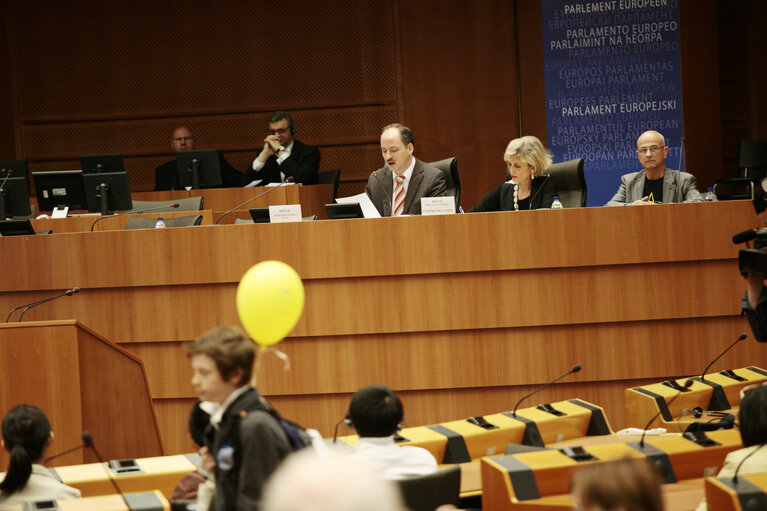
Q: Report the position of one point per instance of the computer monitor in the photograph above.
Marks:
(260, 215)
(199, 169)
(351, 210)
(98, 163)
(107, 192)
(59, 188)
(14, 197)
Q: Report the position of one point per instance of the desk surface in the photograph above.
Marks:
(635, 295)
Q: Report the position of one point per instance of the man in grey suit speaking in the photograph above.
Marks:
(656, 183)
(397, 188)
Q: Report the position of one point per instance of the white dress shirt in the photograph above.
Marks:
(392, 461)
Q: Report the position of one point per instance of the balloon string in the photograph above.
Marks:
(282, 356)
(254, 379)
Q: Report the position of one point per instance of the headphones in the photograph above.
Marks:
(696, 412)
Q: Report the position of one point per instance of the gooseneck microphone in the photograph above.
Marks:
(687, 384)
(740, 338)
(88, 442)
(8, 173)
(27, 306)
(288, 179)
(62, 453)
(681, 152)
(539, 191)
(383, 189)
(574, 369)
(147, 210)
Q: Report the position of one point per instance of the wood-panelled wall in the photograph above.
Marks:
(88, 77)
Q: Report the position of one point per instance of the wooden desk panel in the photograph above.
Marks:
(117, 223)
(498, 301)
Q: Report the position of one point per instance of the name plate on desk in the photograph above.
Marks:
(286, 213)
(438, 205)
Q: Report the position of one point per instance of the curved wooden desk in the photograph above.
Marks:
(462, 314)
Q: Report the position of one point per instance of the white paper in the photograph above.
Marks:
(253, 183)
(60, 212)
(285, 213)
(368, 209)
(438, 205)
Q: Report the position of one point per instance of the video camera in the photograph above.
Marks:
(753, 260)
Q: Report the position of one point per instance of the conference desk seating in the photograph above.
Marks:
(748, 494)
(464, 440)
(144, 501)
(160, 473)
(642, 403)
(541, 480)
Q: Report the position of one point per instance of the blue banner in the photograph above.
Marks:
(612, 72)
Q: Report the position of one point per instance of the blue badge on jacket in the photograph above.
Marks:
(225, 457)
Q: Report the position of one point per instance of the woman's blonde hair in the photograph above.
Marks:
(529, 150)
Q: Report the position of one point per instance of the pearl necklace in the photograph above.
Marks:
(516, 189)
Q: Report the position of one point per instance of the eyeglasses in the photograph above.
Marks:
(280, 131)
(182, 139)
(652, 149)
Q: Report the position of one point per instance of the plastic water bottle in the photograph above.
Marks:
(556, 204)
(160, 223)
(711, 196)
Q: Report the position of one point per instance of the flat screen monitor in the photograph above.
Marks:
(18, 168)
(16, 227)
(199, 169)
(14, 197)
(260, 215)
(352, 210)
(97, 163)
(107, 192)
(60, 188)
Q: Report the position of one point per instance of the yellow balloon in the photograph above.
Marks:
(270, 300)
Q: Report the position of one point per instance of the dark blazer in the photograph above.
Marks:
(166, 175)
(427, 181)
(677, 187)
(501, 198)
(303, 164)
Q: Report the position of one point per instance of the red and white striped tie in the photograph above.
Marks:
(399, 195)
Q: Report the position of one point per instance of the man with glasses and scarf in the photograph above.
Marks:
(655, 184)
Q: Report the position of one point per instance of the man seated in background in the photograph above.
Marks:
(166, 175)
(397, 188)
(656, 183)
(375, 412)
(283, 156)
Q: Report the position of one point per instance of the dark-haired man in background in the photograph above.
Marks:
(283, 156)
(376, 412)
(166, 175)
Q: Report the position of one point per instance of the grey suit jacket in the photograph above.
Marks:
(677, 187)
(427, 181)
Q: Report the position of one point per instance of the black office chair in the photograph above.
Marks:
(187, 204)
(426, 493)
(330, 177)
(138, 222)
(449, 167)
(752, 165)
(571, 183)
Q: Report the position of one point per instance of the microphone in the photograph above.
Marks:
(88, 442)
(383, 189)
(62, 453)
(539, 191)
(288, 179)
(681, 152)
(147, 210)
(744, 236)
(68, 292)
(735, 476)
(740, 338)
(687, 384)
(347, 421)
(8, 173)
(574, 369)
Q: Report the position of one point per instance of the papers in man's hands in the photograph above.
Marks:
(368, 209)
(253, 183)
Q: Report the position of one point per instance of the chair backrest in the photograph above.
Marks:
(187, 204)
(330, 177)
(752, 158)
(139, 222)
(571, 183)
(449, 167)
(426, 493)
